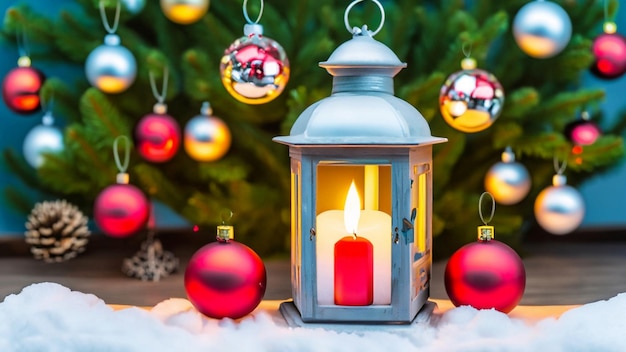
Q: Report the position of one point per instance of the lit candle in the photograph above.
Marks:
(353, 259)
(373, 226)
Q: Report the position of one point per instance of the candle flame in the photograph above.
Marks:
(352, 210)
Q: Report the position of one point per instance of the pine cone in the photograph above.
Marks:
(57, 231)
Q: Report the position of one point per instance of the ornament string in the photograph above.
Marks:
(357, 30)
(559, 169)
(466, 48)
(245, 12)
(22, 43)
(47, 106)
(105, 21)
(480, 207)
(609, 26)
(159, 97)
(121, 166)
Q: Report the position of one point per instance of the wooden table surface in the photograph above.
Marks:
(558, 273)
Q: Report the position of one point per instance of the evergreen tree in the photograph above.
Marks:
(253, 178)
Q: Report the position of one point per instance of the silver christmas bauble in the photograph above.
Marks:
(184, 11)
(471, 100)
(508, 181)
(207, 138)
(111, 67)
(134, 6)
(254, 68)
(559, 209)
(542, 29)
(41, 139)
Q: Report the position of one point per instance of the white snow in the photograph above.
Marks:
(51, 317)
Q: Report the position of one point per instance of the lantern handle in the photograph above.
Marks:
(356, 30)
(110, 29)
(480, 207)
(245, 13)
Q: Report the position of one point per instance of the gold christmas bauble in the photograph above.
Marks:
(184, 11)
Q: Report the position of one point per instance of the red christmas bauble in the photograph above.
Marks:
(225, 280)
(582, 132)
(20, 89)
(157, 137)
(609, 51)
(121, 210)
(484, 275)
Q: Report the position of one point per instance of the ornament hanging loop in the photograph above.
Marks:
(122, 166)
(609, 27)
(559, 169)
(22, 48)
(245, 12)
(105, 21)
(486, 232)
(360, 31)
(159, 107)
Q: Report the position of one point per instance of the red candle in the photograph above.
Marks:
(354, 271)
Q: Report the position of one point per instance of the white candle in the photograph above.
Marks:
(373, 225)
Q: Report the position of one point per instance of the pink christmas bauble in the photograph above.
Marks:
(485, 275)
(121, 210)
(609, 52)
(20, 89)
(157, 137)
(225, 280)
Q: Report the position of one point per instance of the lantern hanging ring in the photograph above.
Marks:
(559, 168)
(245, 12)
(480, 207)
(355, 30)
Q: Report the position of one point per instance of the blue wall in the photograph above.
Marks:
(604, 194)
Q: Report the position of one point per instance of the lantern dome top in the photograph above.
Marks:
(362, 52)
(362, 109)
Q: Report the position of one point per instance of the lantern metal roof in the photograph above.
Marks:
(362, 108)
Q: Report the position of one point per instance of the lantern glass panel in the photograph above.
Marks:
(296, 225)
(422, 237)
(353, 240)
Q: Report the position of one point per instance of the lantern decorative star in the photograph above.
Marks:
(361, 171)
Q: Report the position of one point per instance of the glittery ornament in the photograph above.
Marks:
(207, 138)
(508, 181)
(485, 274)
(111, 67)
(470, 100)
(609, 52)
(225, 279)
(254, 68)
(184, 11)
(44, 138)
(542, 29)
(20, 87)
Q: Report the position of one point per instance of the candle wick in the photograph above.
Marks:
(354, 234)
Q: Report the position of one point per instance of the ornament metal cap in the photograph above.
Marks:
(250, 29)
(112, 39)
(23, 61)
(559, 180)
(508, 156)
(160, 108)
(225, 233)
(486, 233)
(122, 178)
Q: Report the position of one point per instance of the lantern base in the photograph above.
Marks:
(293, 319)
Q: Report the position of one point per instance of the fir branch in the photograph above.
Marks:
(158, 186)
(519, 102)
(606, 150)
(560, 108)
(103, 119)
(20, 168)
(19, 202)
(508, 133)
